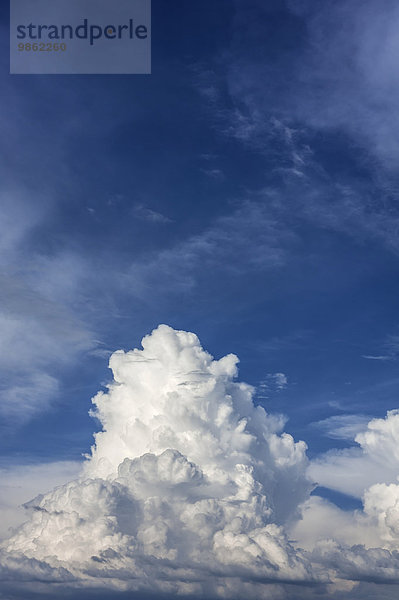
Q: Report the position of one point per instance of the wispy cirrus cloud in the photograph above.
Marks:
(140, 211)
(343, 427)
(249, 238)
(391, 347)
(342, 76)
(40, 332)
(279, 104)
(377, 357)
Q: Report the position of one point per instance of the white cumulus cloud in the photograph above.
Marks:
(188, 484)
(190, 489)
(374, 460)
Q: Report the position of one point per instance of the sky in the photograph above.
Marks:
(246, 191)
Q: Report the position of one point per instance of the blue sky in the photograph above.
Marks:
(247, 190)
(203, 196)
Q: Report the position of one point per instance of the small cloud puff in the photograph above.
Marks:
(273, 382)
(145, 213)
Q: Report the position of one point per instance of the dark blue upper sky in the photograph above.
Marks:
(247, 190)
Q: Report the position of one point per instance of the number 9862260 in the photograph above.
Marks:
(42, 47)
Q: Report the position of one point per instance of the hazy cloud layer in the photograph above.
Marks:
(20, 483)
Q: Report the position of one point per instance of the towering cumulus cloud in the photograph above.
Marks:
(192, 490)
(187, 490)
